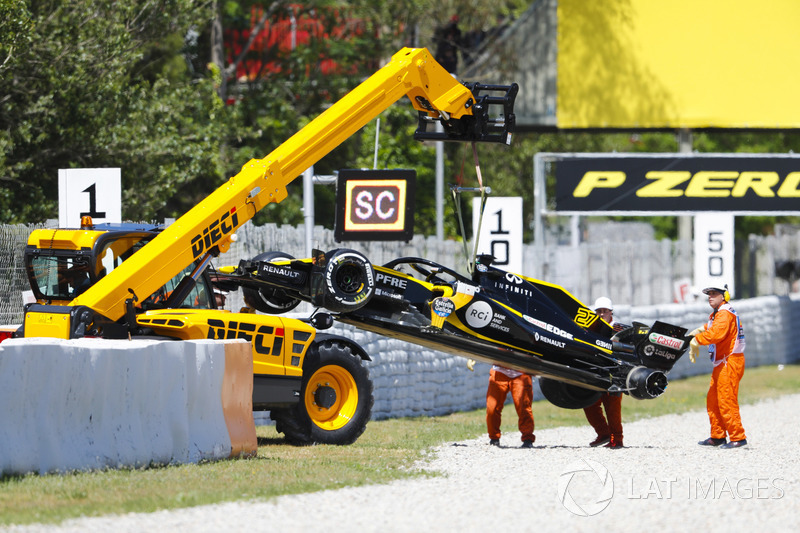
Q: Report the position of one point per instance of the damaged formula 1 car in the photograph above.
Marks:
(493, 316)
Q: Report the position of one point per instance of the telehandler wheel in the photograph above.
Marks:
(268, 300)
(335, 398)
(567, 396)
(349, 280)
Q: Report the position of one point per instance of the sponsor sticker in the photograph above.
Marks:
(663, 340)
(498, 322)
(548, 327)
(548, 340)
(514, 289)
(479, 314)
(386, 294)
(391, 281)
(282, 272)
(443, 307)
(606, 345)
(651, 350)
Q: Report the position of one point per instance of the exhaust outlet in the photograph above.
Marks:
(645, 383)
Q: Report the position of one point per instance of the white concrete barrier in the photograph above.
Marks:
(93, 404)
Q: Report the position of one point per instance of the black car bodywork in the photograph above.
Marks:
(493, 316)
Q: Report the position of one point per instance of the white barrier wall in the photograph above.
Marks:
(68, 405)
(93, 403)
(414, 381)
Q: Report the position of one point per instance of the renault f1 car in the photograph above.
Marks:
(492, 316)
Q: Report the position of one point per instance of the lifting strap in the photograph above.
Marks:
(456, 194)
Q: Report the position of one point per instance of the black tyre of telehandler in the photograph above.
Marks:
(268, 300)
(566, 395)
(335, 398)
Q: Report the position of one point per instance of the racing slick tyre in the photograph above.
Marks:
(349, 281)
(268, 300)
(335, 398)
(567, 396)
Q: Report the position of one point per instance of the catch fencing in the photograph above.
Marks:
(13, 280)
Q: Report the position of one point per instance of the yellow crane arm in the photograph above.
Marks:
(209, 226)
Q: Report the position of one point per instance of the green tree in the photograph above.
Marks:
(96, 86)
(15, 25)
(274, 84)
(128, 84)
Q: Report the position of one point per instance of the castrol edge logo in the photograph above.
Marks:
(663, 340)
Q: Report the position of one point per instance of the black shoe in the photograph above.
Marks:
(734, 444)
(599, 441)
(527, 444)
(494, 442)
(711, 441)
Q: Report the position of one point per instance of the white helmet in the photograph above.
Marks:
(603, 303)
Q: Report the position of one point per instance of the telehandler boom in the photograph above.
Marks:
(144, 280)
(106, 308)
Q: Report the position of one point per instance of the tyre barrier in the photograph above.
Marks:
(89, 404)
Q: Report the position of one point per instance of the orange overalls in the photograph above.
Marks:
(611, 428)
(725, 336)
(501, 380)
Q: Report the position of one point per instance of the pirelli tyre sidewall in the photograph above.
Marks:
(268, 300)
(335, 399)
(349, 280)
(567, 396)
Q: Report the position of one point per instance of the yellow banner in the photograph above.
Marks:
(678, 64)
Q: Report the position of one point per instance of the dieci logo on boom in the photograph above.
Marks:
(214, 232)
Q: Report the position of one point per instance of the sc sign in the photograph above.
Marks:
(375, 205)
(94, 192)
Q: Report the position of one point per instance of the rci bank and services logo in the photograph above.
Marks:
(585, 487)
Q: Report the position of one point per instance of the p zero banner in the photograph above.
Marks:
(648, 184)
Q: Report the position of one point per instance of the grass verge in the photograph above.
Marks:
(382, 454)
